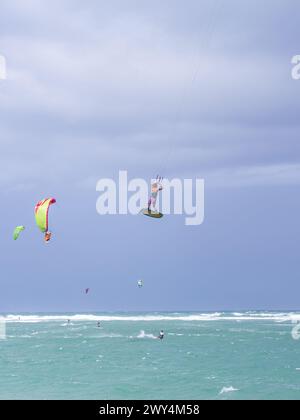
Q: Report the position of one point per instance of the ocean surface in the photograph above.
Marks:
(220, 356)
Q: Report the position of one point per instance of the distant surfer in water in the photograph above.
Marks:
(98, 324)
(161, 335)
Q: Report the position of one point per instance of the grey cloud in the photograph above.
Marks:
(125, 84)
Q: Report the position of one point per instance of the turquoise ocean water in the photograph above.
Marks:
(249, 355)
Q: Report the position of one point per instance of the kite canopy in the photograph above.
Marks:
(140, 283)
(18, 231)
(42, 212)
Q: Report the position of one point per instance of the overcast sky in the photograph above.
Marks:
(196, 88)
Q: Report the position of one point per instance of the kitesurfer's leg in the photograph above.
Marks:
(154, 204)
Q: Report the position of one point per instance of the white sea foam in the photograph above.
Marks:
(142, 334)
(227, 390)
(108, 336)
(193, 317)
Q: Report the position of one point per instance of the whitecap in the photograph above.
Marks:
(142, 334)
(227, 390)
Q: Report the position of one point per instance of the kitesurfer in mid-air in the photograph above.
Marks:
(155, 189)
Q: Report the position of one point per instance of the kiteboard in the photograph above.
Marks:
(154, 214)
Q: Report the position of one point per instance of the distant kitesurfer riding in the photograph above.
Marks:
(161, 335)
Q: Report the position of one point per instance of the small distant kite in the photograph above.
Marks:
(140, 284)
(87, 291)
(18, 231)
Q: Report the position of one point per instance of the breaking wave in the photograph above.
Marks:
(184, 317)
